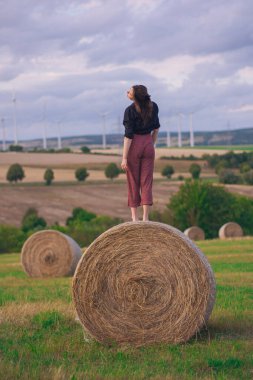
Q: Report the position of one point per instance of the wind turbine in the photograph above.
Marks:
(168, 136)
(180, 116)
(14, 100)
(4, 133)
(103, 115)
(44, 126)
(191, 131)
(59, 134)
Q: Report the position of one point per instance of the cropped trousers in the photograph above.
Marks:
(140, 168)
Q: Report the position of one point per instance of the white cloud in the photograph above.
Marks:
(242, 108)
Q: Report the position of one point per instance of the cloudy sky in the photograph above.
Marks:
(69, 61)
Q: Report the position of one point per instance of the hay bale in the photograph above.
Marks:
(50, 253)
(195, 233)
(230, 230)
(142, 283)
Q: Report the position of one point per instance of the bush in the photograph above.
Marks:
(15, 148)
(64, 150)
(81, 174)
(223, 164)
(201, 204)
(48, 176)
(15, 173)
(245, 167)
(11, 239)
(209, 207)
(112, 171)
(180, 177)
(85, 149)
(32, 222)
(232, 160)
(248, 177)
(84, 233)
(243, 213)
(229, 177)
(167, 171)
(161, 216)
(80, 215)
(195, 170)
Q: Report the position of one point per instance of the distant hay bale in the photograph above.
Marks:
(230, 230)
(141, 283)
(195, 233)
(50, 253)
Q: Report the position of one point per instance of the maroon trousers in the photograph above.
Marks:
(140, 167)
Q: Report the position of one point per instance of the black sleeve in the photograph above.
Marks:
(128, 122)
(156, 121)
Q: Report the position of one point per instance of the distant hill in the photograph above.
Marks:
(208, 138)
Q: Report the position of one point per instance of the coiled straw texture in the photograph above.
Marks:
(230, 230)
(141, 283)
(50, 253)
(195, 233)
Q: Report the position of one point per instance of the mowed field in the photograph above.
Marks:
(56, 202)
(40, 338)
(97, 193)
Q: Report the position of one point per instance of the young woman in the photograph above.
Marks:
(141, 123)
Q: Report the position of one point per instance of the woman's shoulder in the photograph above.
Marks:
(130, 109)
(155, 106)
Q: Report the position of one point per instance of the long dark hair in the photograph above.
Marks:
(142, 102)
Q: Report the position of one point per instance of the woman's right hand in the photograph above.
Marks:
(124, 164)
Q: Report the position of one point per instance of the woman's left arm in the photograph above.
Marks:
(126, 146)
(154, 135)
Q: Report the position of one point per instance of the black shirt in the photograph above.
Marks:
(134, 124)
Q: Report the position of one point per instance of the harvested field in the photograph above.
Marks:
(53, 159)
(55, 202)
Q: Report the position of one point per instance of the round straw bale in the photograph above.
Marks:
(141, 283)
(195, 233)
(230, 230)
(50, 253)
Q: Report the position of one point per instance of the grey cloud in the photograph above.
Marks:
(120, 35)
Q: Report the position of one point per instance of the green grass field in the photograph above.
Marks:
(40, 339)
(225, 147)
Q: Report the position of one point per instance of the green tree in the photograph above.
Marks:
(81, 174)
(15, 148)
(195, 170)
(48, 176)
(11, 239)
(31, 221)
(15, 173)
(248, 177)
(229, 177)
(244, 167)
(80, 215)
(112, 171)
(85, 149)
(221, 165)
(167, 171)
(202, 204)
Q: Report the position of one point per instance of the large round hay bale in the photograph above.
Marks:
(142, 283)
(195, 233)
(230, 230)
(50, 253)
